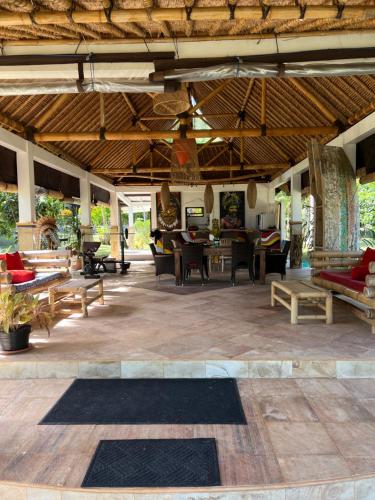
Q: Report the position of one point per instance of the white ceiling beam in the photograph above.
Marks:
(288, 42)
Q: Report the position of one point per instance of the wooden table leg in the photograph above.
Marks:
(273, 292)
(294, 309)
(51, 301)
(101, 292)
(177, 267)
(262, 267)
(83, 303)
(329, 312)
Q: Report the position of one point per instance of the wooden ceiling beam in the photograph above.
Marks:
(241, 13)
(204, 168)
(223, 180)
(133, 135)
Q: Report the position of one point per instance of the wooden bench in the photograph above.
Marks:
(302, 293)
(361, 304)
(44, 263)
(68, 291)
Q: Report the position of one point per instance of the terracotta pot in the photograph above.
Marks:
(16, 340)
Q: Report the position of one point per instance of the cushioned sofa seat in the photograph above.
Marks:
(343, 278)
(40, 280)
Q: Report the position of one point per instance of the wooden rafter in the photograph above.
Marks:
(209, 96)
(57, 104)
(314, 99)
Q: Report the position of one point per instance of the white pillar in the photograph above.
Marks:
(26, 199)
(130, 216)
(85, 212)
(296, 197)
(115, 225)
(26, 185)
(154, 219)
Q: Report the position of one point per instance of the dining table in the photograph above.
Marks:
(211, 250)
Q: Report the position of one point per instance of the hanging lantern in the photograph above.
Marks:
(184, 162)
(251, 194)
(171, 103)
(165, 196)
(208, 199)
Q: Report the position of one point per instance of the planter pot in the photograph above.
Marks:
(16, 340)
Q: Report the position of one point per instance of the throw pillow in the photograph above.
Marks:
(22, 275)
(14, 261)
(359, 273)
(368, 256)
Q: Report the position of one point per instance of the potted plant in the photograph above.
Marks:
(17, 312)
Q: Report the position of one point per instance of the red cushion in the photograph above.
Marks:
(359, 273)
(22, 275)
(14, 262)
(3, 256)
(343, 278)
(368, 256)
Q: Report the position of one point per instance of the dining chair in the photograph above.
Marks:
(192, 258)
(225, 242)
(243, 258)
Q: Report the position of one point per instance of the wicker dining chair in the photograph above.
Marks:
(243, 257)
(164, 264)
(192, 258)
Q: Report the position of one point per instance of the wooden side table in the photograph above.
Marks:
(68, 291)
(302, 293)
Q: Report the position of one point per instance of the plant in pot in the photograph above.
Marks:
(17, 312)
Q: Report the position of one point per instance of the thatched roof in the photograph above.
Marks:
(126, 19)
(336, 102)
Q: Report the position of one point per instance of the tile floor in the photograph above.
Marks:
(143, 321)
(298, 430)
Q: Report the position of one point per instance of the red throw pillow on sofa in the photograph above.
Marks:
(359, 273)
(14, 262)
(22, 275)
(368, 256)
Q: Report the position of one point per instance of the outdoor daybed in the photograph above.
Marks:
(33, 271)
(351, 275)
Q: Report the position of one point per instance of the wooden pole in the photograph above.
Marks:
(205, 14)
(133, 135)
(102, 110)
(205, 168)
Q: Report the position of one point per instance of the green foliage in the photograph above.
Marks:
(8, 215)
(48, 207)
(366, 197)
(142, 234)
(21, 309)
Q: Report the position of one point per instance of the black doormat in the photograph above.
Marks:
(148, 401)
(153, 463)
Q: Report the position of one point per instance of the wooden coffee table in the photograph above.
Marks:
(67, 292)
(302, 293)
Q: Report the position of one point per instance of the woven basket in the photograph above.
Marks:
(171, 103)
(165, 196)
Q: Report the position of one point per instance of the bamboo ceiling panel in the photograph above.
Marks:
(277, 104)
(97, 19)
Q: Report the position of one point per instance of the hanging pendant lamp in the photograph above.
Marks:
(208, 199)
(165, 196)
(251, 194)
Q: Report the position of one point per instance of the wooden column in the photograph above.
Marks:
(296, 238)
